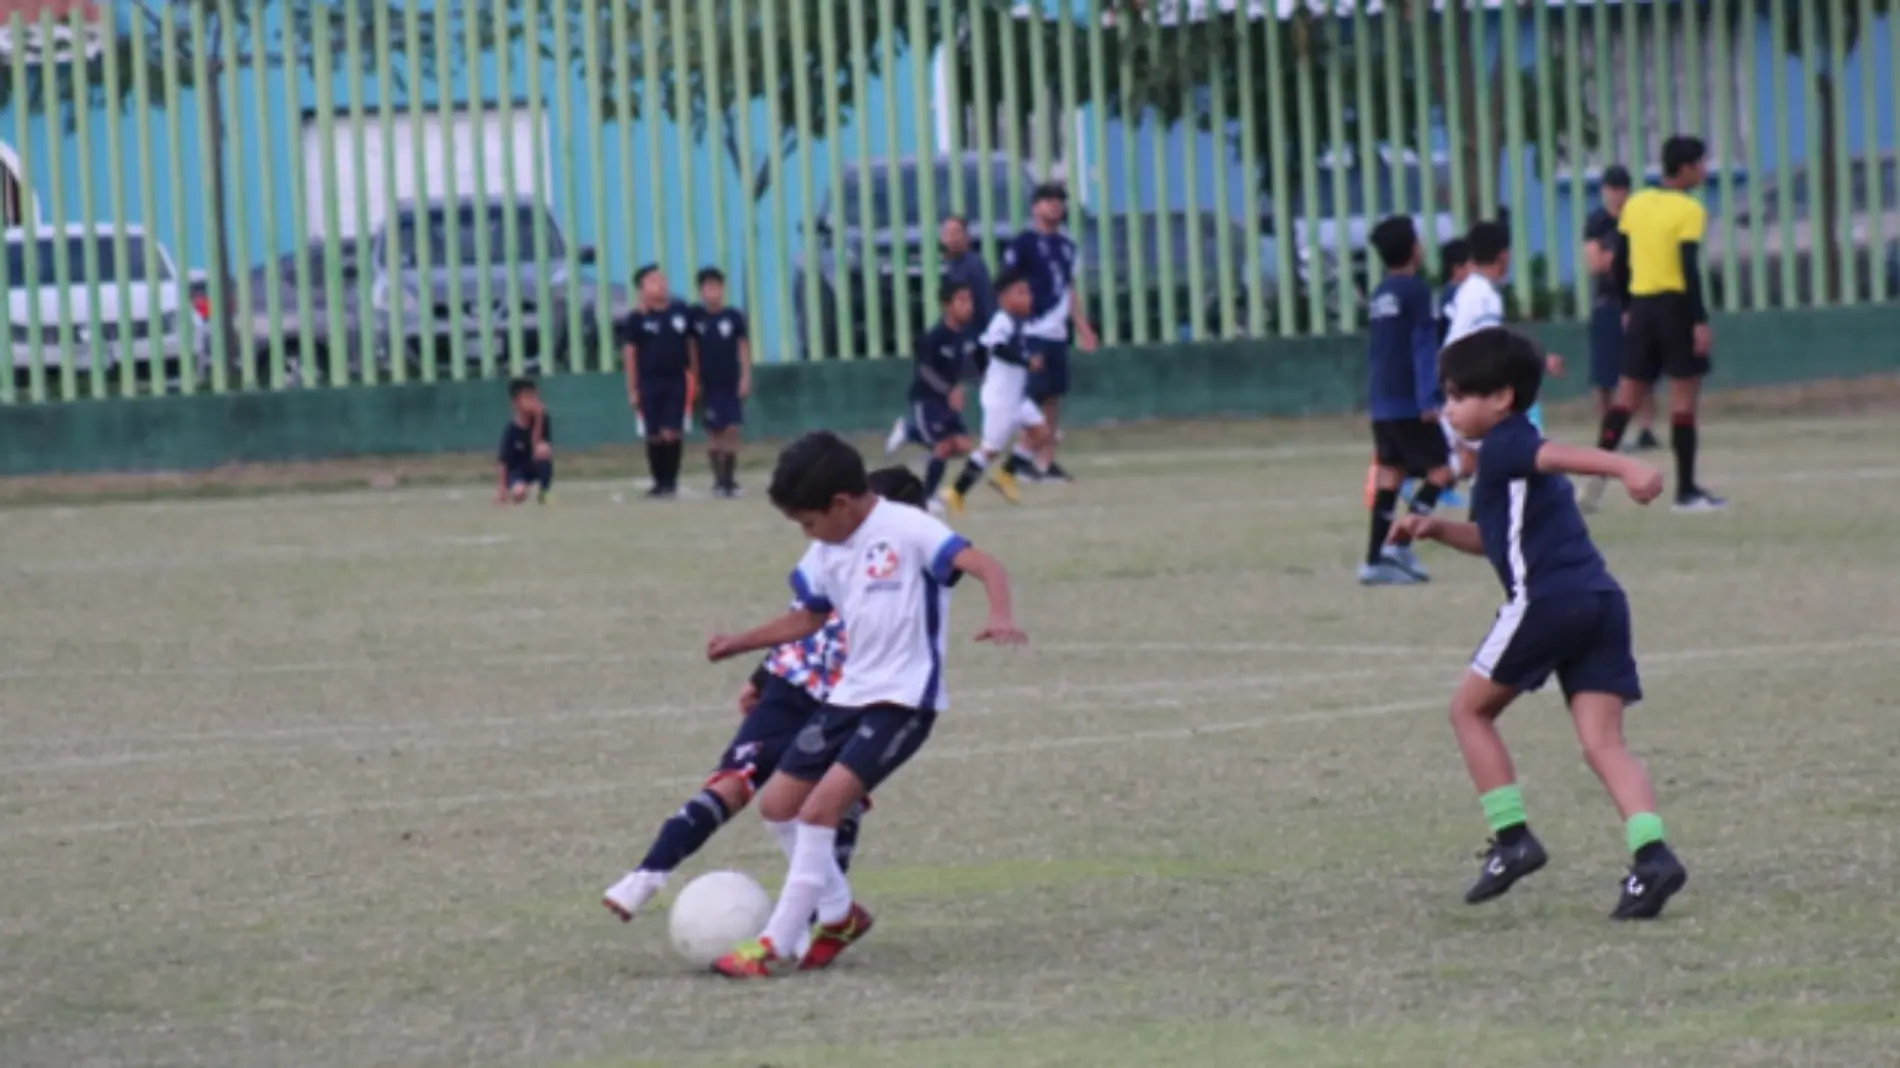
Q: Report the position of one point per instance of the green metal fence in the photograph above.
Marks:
(276, 194)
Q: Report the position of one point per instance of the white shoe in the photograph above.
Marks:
(632, 892)
(900, 433)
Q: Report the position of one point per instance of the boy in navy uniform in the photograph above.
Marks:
(1047, 257)
(936, 386)
(1564, 615)
(1403, 400)
(656, 344)
(1600, 242)
(724, 374)
(887, 570)
(526, 457)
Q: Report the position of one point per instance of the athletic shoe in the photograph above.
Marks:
(1504, 866)
(662, 493)
(757, 959)
(1024, 470)
(1386, 573)
(1590, 497)
(828, 940)
(1649, 886)
(952, 500)
(1451, 498)
(1054, 473)
(632, 892)
(1700, 501)
(894, 441)
(1646, 442)
(1006, 484)
(544, 496)
(1406, 560)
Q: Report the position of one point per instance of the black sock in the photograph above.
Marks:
(847, 841)
(671, 454)
(1650, 852)
(686, 831)
(1512, 835)
(717, 461)
(732, 470)
(933, 475)
(972, 474)
(1384, 503)
(1615, 422)
(544, 474)
(656, 461)
(1682, 438)
(1426, 498)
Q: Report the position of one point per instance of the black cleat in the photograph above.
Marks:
(1504, 865)
(1649, 886)
(1055, 473)
(662, 493)
(1646, 441)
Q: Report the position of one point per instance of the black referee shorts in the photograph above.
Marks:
(1660, 341)
(1410, 445)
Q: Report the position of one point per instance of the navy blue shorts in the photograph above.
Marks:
(721, 408)
(873, 742)
(531, 473)
(1582, 638)
(1053, 380)
(663, 404)
(767, 732)
(1606, 347)
(935, 421)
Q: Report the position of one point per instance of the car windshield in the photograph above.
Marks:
(454, 238)
(890, 190)
(43, 270)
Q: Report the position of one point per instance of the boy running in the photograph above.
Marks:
(887, 571)
(936, 387)
(526, 457)
(723, 370)
(1565, 615)
(1007, 408)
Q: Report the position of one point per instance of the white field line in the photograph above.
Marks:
(1695, 661)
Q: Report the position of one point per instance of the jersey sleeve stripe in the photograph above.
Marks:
(943, 565)
(803, 596)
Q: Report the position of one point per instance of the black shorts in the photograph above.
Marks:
(1411, 445)
(720, 408)
(663, 404)
(1660, 340)
(1051, 380)
(1606, 347)
(1582, 638)
(766, 733)
(873, 742)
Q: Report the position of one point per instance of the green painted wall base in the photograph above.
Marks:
(1279, 378)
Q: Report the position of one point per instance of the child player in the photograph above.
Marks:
(1402, 387)
(1564, 615)
(1007, 408)
(936, 386)
(724, 374)
(783, 695)
(1454, 258)
(656, 342)
(887, 571)
(1478, 301)
(526, 457)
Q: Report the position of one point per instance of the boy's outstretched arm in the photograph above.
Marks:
(1643, 482)
(1001, 625)
(794, 625)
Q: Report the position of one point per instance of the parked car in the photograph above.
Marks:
(844, 232)
(1863, 221)
(139, 314)
(308, 345)
(430, 318)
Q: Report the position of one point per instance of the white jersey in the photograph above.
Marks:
(1477, 305)
(890, 583)
(1006, 404)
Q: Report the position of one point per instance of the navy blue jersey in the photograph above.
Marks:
(942, 354)
(1601, 228)
(970, 270)
(718, 334)
(517, 442)
(1402, 350)
(1532, 530)
(1048, 260)
(659, 339)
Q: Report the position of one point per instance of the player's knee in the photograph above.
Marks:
(734, 790)
(779, 802)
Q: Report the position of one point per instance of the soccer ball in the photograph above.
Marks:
(715, 913)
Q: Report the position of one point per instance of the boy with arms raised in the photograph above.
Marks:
(1565, 615)
(887, 571)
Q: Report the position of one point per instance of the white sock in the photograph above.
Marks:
(812, 870)
(786, 834)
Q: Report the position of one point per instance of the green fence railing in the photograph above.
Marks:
(217, 195)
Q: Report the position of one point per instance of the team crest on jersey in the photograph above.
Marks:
(880, 561)
(679, 323)
(725, 328)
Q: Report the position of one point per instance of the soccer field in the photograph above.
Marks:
(337, 780)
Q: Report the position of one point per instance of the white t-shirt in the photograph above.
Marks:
(1476, 306)
(890, 583)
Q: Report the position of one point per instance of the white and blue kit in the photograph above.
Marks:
(1477, 305)
(1049, 261)
(1007, 407)
(1565, 615)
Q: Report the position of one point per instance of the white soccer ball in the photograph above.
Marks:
(715, 913)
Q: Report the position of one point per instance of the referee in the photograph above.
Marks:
(1658, 277)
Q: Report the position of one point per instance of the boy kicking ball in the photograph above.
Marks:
(1565, 616)
(887, 571)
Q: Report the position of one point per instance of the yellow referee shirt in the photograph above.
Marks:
(1655, 224)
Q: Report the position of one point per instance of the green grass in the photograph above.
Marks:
(336, 780)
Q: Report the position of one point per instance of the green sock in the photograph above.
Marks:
(1644, 828)
(1504, 807)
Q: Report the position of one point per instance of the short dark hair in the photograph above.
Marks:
(948, 291)
(1682, 151)
(520, 386)
(1490, 361)
(899, 484)
(1489, 240)
(955, 217)
(640, 273)
(1616, 176)
(709, 274)
(1011, 276)
(1395, 239)
(816, 470)
(1455, 253)
(1050, 191)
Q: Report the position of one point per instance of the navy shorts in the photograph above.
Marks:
(663, 404)
(1582, 638)
(873, 742)
(767, 732)
(1606, 347)
(935, 421)
(530, 474)
(721, 408)
(1052, 380)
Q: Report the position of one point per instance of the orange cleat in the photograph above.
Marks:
(757, 959)
(828, 940)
